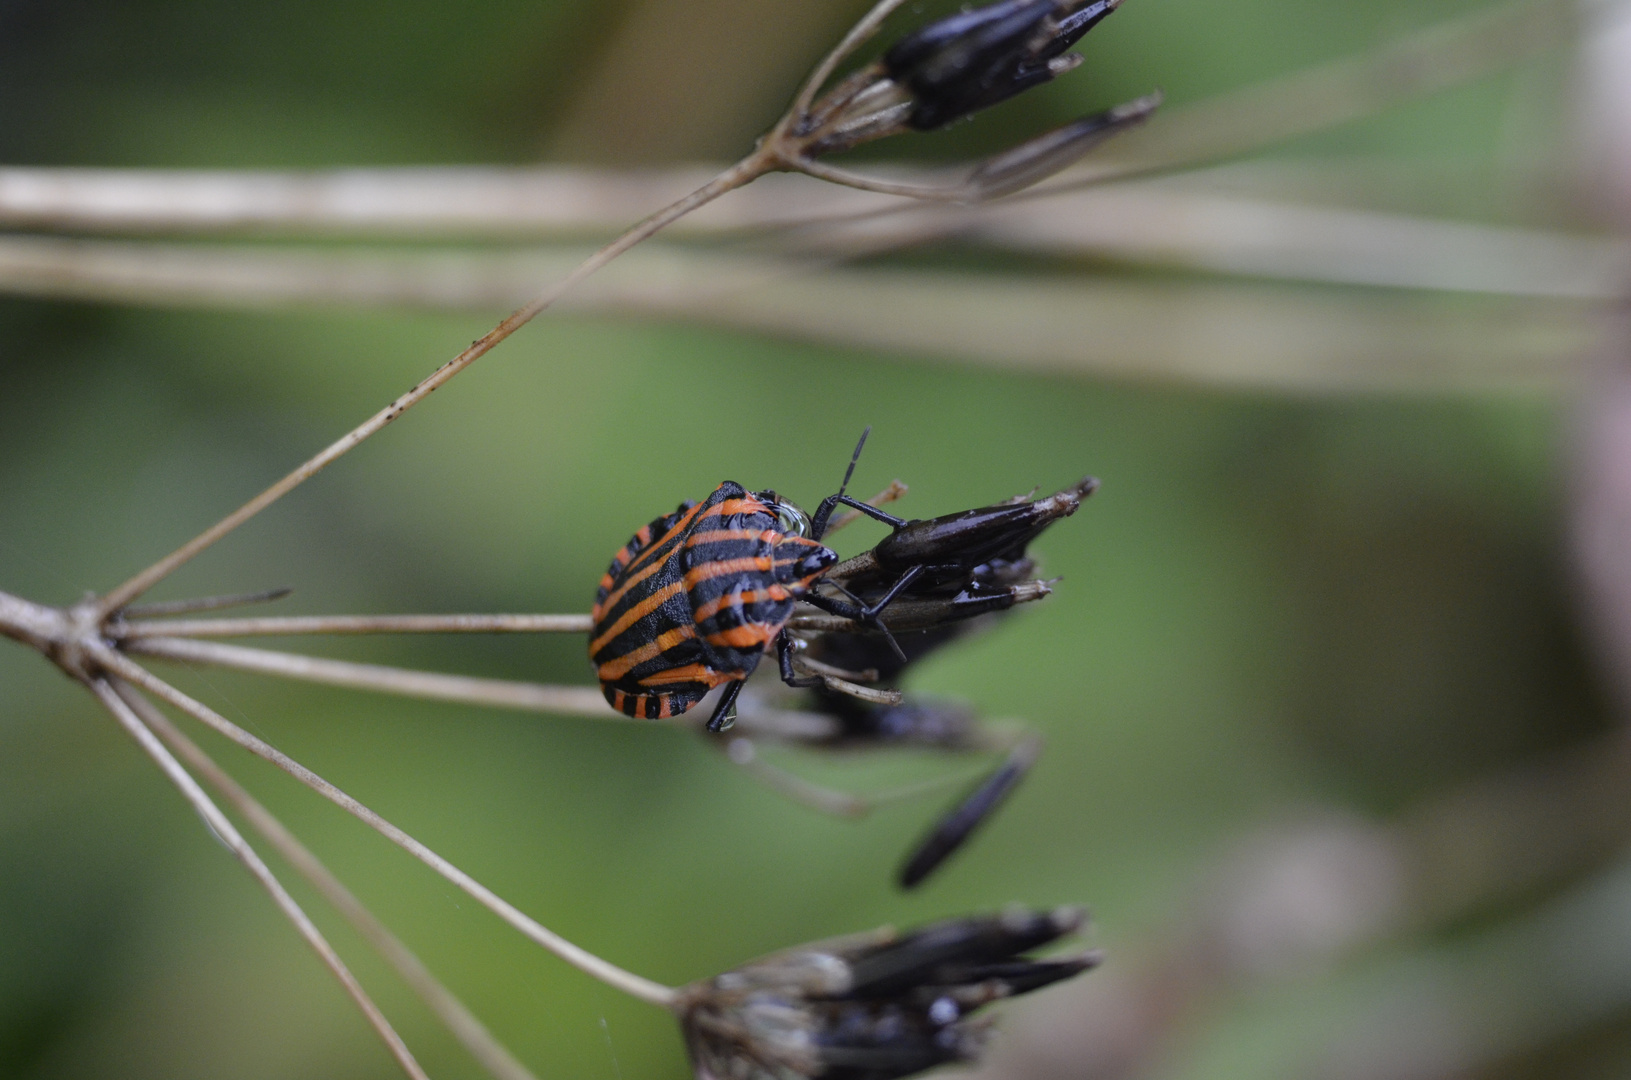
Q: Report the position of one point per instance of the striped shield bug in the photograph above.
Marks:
(694, 599)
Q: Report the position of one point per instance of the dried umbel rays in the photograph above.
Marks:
(874, 1006)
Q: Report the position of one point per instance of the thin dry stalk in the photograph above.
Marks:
(732, 178)
(448, 1008)
(580, 958)
(405, 682)
(532, 697)
(828, 800)
(858, 34)
(229, 835)
(356, 624)
(782, 724)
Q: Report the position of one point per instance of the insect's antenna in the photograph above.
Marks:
(853, 458)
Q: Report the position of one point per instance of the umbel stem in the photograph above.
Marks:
(448, 1008)
(580, 958)
(745, 171)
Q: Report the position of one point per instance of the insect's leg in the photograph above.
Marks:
(958, 824)
(894, 491)
(725, 712)
(829, 678)
(911, 575)
(869, 615)
(818, 524)
(833, 606)
(784, 660)
(855, 613)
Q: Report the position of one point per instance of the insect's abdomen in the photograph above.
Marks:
(685, 605)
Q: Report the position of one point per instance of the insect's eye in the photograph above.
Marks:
(791, 520)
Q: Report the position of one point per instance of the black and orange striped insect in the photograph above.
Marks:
(696, 597)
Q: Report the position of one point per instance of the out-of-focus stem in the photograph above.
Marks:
(452, 1012)
(578, 957)
(228, 835)
(355, 624)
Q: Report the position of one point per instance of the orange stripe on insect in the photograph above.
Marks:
(720, 567)
(616, 668)
(769, 536)
(622, 590)
(747, 504)
(635, 614)
(689, 673)
(676, 529)
(744, 637)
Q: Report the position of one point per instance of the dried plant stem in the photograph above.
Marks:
(823, 71)
(449, 1009)
(499, 693)
(356, 624)
(229, 835)
(582, 959)
(743, 172)
(951, 193)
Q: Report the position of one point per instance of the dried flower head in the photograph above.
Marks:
(874, 1006)
(977, 568)
(948, 70)
(975, 59)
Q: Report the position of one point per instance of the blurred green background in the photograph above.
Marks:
(1273, 604)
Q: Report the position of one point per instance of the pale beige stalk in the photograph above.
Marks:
(582, 959)
(471, 1032)
(234, 841)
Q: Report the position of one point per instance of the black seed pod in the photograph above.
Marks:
(872, 1007)
(975, 59)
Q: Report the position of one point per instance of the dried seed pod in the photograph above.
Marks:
(874, 1006)
(967, 568)
(971, 563)
(948, 70)
(975, 59)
